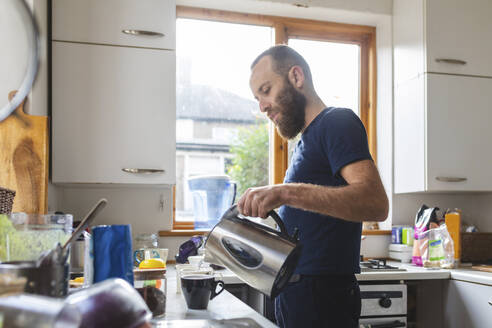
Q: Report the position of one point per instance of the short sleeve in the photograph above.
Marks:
(344, 138)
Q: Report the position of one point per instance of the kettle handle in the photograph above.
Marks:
(279, 222)
(235, 190)
(234, 212)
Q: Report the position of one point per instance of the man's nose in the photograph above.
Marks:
(264, 106)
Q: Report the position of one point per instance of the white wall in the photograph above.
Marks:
(476, 207)
(38, 97)
(138, 206)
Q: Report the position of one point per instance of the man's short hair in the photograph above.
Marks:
(284, 57)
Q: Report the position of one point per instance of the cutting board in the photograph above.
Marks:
(486, 268)
(24, 142)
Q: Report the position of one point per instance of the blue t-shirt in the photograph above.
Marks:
(335, 138)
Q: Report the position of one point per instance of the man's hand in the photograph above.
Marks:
(257, 202)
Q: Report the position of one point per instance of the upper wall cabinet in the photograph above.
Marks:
(442, 36)
(148, 23)
(442, 95)
(442, 134)
(113, 96)
(113, 114)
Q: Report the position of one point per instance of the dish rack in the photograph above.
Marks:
(6, 200)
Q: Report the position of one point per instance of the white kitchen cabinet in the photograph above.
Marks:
(441, 36)
(143, 23)
(441, 108)
(467, 304)
(113, 108)
(442, 134)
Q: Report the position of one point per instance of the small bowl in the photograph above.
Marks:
(196, 260)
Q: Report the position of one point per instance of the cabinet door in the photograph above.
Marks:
(467, 305)
(459, 116)
(409, 134)
(459, 30)
(113, 108)
(119, 22)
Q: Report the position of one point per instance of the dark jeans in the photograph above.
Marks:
(319, 301)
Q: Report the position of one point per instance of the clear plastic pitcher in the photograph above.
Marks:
(212, 196)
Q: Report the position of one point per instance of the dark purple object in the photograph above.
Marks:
(189, 248)
(111, 303)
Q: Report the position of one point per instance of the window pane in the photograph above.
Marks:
(219, 128)
(335, 68)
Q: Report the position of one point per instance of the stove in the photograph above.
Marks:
(383, 306)
(379, 265)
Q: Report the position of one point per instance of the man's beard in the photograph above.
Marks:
(292, 107)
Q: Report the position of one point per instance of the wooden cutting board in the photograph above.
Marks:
(24, 153)
(486, 268)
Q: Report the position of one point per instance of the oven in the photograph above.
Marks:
(383, 306)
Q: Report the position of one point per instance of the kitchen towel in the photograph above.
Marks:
(113, 256)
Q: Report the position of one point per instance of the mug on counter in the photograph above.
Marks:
(188, 269)
(199, 289)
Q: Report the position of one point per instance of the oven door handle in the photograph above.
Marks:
(386, 325)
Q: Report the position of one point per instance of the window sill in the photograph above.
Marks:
(375, 232)
(181, 233)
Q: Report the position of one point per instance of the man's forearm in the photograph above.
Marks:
(354, 202)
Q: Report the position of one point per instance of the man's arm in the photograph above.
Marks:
(362, 199)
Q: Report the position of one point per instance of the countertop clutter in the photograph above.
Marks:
(224, 310)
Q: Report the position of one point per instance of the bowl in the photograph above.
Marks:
(196, 260)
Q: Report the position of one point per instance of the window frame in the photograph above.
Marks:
(285, 28)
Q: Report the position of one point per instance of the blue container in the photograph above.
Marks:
(113, 256)
(396, 235)
(212, 196)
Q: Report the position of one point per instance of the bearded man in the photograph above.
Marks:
(330, 187)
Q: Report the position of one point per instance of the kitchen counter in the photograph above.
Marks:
(469, 275)
(225, 309)
(412, 273)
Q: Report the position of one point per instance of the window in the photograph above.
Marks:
(219, 127)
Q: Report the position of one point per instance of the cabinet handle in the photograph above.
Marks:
(450, 179)
(142, 171)
(142, 32)
(451, 61)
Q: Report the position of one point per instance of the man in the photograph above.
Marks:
(330, 187)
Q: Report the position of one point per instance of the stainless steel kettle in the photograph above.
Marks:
(262, 257)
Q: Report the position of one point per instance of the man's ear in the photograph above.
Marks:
(296, 76)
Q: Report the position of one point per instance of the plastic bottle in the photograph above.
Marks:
(453, 223)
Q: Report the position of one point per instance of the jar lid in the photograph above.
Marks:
(154, 263)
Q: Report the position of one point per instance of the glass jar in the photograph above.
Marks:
(151, 284)
(142, 243)
(24, 237)
(146, 240)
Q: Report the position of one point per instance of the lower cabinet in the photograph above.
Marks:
(467, 304)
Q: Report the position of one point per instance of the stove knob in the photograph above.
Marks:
(385, 302)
